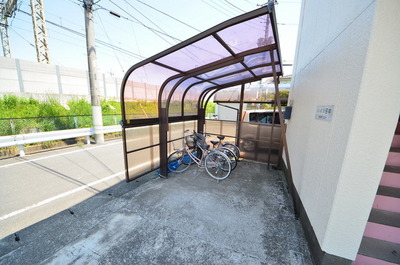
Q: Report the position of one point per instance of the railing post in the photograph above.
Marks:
(12, 125)
(76, 122)
(21, 150)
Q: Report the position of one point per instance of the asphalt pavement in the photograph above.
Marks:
(40, 185)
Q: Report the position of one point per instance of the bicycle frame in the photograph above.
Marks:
(198, 161)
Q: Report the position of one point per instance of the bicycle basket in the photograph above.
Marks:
(201, 139)
(190, 141)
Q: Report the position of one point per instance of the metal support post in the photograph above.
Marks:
(163, 130)
(94, 90)
(240, 115)
(202, 120)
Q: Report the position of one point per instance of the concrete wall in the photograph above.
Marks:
(347, 56)
(26, 78)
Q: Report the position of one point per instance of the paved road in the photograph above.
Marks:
(39, 185)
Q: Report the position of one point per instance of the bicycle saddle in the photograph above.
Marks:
(214, 142)
(221, 137)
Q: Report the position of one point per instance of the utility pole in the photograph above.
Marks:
(7, 10)
(91, 54)
(39, 31)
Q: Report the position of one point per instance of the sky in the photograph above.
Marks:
(144, 28)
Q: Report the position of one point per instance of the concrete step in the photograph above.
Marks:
(364, 260)
(380, 250)
(389, 191)
(386, 203)
(396, 141)
(384, 217)
(395, 149)
(392, 169)
(383, 232)
(393, 159)
(390, 180)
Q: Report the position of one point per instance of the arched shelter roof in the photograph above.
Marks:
(180, 79)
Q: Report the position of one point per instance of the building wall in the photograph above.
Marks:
(227, 114)
(26, 78)
(347, 56)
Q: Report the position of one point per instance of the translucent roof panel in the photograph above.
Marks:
(192, 96)
(260, 58)
(233, 78)
(223, 71)
(143, 85)
(265, 71)
(234, 52)
(202, 52)
(167, 89)
(248, 35)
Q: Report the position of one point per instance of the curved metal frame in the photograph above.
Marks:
(164, 99)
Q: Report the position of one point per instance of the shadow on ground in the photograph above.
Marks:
(188, 218)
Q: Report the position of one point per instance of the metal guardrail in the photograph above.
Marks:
(21, 139)
(13, 126)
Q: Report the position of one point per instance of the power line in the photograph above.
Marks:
(235, 6)
(106, 44)
(169, 16)
(223, 7)
(155, 32)
(229, 15)
(116, 56)
(137, 10)
(13, 30)
(249, 2)
(137, 22)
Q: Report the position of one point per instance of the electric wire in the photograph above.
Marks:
(97, 40)
(162, 12)
(248, 2)
(155, 32)
(137, 10)
(108, 37)
(22, 37)
(235, 6)
(224, 7)
(50, 32)
(138, 22)
(226, 14)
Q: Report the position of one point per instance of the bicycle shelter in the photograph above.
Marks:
(178, 83)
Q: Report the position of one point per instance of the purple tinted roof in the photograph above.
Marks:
(233, 52)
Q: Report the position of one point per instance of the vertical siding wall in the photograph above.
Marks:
(347, 56)
(26, 78)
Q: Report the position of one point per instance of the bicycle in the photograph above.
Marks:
(227, 149)
(216, 163)
(218, 144)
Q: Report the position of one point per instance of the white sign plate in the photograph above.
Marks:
(324, 112)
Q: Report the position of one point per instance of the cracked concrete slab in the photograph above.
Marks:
(188, 218)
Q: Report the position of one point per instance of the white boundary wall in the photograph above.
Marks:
(348, 55)
(27, 78)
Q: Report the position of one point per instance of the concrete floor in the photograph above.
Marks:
(188, 218)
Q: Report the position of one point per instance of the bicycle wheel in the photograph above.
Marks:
(179, 161)
(234, 148)
(217, 165)
(230, 154)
